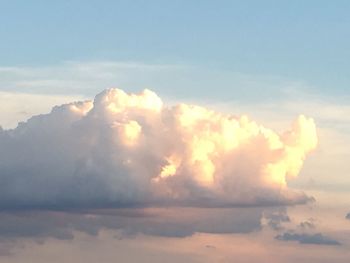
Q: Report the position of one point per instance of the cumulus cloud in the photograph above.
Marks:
(316, 239)
(130, 149)
(16, 106)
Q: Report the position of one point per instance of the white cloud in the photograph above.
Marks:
(16, 107)
(331, 115)
(124, 149)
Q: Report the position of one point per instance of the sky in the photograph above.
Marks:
(167, 131)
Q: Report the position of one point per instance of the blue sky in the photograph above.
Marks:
(304, 41)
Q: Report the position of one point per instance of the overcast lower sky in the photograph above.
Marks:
(190, 131)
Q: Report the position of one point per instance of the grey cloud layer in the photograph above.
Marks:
(167, 222)
(315, 239)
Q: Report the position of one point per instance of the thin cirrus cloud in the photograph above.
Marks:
(132, 150)
(184, 81)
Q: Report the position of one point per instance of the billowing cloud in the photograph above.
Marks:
(130, 149)
(316, 239)
(16, 106)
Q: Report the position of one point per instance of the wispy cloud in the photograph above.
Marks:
(174, 80)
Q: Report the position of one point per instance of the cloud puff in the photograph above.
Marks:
(316, 239)
(129, 149)
(276, 218)
(308, 224)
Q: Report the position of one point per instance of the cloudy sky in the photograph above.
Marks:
(174, 131)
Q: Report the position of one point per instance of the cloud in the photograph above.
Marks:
(172, 80)
(177, 222)
(347, 216)
(315, 239)
(80, 77)
(307, 224)
(130, 150)
(276, 218)
(16, 106)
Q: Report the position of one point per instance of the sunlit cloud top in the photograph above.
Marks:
(123, 149)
